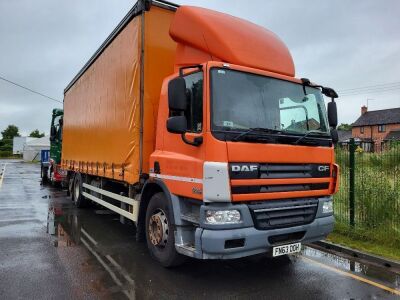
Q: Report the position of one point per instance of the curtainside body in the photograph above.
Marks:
(192, 124)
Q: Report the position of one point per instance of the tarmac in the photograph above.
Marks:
(51, 250)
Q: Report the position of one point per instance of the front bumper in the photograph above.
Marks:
(240, 240)
(213, 242)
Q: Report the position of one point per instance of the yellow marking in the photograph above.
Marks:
(356, 277)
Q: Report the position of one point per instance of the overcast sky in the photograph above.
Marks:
(342, 44)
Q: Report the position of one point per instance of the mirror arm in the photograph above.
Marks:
(196, 142)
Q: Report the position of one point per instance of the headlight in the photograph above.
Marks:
(327, 207)
(218, 217)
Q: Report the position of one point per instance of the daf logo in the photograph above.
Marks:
(244, 168)
(323, 168)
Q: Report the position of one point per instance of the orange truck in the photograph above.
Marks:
(192, 124)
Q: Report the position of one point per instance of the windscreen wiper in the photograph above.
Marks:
(255, 130)
(306, 135)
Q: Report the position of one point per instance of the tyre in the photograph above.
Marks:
(160, 232)
(71, 179)
(43, 174)
(78, 198)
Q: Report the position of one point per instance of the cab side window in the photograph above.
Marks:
(194, 112)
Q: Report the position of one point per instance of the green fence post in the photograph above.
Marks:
(352, 150)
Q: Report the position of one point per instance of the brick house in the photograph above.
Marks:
(374, 128)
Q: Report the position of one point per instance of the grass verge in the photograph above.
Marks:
(365, 245)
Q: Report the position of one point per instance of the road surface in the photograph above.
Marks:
(50, 249)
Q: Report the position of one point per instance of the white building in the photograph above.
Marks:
(32, 149)
(19, 143)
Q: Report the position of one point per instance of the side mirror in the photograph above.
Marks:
(332, 114)
(177, 99)
(53, 133)
(177, 124)
(334, 135)
(329, 92)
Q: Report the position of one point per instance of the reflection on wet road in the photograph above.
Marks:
(50, 249)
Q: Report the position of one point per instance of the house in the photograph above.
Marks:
(344, 137)
(373, 128)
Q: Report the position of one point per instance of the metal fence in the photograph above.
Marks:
(367, 205)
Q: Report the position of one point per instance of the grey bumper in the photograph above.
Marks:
(240, 240)
(256, 241)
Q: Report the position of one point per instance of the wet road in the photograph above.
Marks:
(49, 249)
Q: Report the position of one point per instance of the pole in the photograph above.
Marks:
(351, 181)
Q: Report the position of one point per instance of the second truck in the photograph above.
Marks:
(192, 124)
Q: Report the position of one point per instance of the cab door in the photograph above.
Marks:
(178, 159)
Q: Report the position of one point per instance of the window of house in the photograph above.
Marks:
(361, 129)
(381, 128)
(194, 113)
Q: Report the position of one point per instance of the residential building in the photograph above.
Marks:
(373, 128)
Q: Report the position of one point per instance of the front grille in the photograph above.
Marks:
(274, 171)
(249, 189)
(283, 213)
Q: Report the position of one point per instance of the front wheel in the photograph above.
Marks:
(160, 232)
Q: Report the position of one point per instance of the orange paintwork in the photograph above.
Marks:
(159, 57)
(103, 116)
(179, 159)
(278, 195)
(230, 39)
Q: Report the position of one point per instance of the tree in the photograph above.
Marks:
(36, 134)
(344, 126)
(10, 132)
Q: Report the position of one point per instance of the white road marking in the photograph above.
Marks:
(3, 172)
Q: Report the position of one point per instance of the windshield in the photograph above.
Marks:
(241, 101)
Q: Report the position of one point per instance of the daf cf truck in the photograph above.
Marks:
(192, 124)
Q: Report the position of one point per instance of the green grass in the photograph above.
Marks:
(364, 245)
(377, 201)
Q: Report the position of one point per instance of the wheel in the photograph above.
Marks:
(71, 179)
(160, 233)
(78, 198)
(43, 174)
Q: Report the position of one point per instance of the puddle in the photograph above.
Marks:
(382, 274)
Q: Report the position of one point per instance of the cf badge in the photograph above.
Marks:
(323, 168)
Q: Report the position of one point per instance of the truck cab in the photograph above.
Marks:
(244, 148)
(55, 173)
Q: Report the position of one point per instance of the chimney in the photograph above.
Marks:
(364, 109)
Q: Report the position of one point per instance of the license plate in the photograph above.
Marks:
(286, 249)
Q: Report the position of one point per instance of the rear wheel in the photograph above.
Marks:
(78, 198)
(71, 179)
(160, 232)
